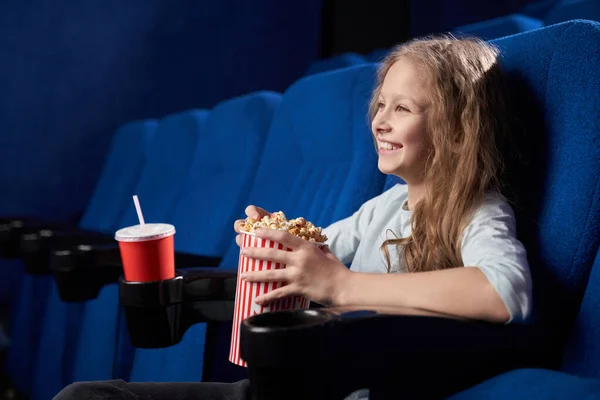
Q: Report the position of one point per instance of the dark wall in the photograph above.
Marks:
(71, 71)
(363, 25)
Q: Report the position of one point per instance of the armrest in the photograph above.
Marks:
(36, 247)
(81, 271)
(168, 308)
(53, 239)
(11, 230)
(390, 351)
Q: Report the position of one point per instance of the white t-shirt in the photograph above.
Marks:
(489, 243)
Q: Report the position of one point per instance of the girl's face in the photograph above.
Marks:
(399, 126)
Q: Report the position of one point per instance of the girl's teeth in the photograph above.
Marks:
(387, 146)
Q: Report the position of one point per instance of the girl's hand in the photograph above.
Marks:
(252, 212)
(312, 272)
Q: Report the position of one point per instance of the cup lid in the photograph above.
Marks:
(141, 233)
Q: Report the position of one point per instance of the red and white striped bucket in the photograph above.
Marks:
(246, 292)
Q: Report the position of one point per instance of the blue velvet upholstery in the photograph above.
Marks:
(222, 173)
(539, 384)
(579, 377)
(538, 8)
(335, 62)
(582, 354)
(121, 172)
(319, 162)
(559, 63)
(168, 165)
(567, 10)
(500, 27)
(26, 327)
(555, 96)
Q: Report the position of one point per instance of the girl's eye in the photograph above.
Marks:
(380, 105)
(402, 108)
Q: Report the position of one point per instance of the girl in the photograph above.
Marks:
(445, 242)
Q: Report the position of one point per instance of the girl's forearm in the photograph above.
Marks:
(463, 292)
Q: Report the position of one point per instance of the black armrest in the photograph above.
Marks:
(36, 247)
(168, 308)
(328, 353)
(11, 230)
(187, 260)
(81, 272)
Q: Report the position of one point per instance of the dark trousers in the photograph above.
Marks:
(121, 390)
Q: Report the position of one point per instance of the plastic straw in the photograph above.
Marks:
(136, 201)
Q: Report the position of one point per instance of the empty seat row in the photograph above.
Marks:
(562, 11)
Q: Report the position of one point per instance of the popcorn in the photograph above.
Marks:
(297, 227)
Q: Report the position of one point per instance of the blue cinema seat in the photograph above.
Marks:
(567, 10)
(224, 152)
(319, 162)
(539, 8)
(499, 27)
(335, 62)
(579, 373)
(122, 169)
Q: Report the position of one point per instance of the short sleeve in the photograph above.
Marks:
(490, 244)
(344, 236)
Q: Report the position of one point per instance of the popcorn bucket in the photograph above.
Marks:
(246, 292)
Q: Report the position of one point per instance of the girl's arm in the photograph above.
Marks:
(464, 292)
(498, 290)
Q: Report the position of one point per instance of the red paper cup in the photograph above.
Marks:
(246, 292)
(147, 252)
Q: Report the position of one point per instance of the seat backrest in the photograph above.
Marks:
(120, 175)
(582, 355)
(567, 10)
(335, 62)
(168, 165)
(555, 89)
(500, 27)
(538, 8)
(222, 173)
(319, 161)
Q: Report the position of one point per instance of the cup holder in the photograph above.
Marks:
(287, 319)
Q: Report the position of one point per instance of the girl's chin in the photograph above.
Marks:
(388, 166)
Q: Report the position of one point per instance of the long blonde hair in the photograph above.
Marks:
(466, 124)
